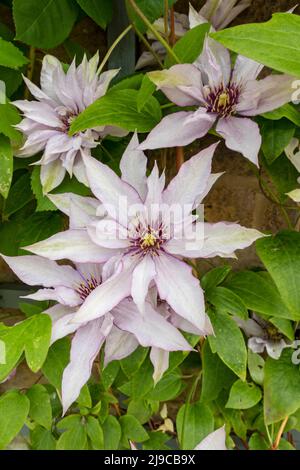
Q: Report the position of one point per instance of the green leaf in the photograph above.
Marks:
(43, 202)
(109, 374)
(6, 165)
(145, 92)
(119, 108)
(281, 256)
(281, 388)
(283, 174)
(256, 367)
(152, 9)
(132, 430)
(227, 301)
(40, 226)
(274, 43)
(194, 422)
(190, 46)
(73, 439)
(132, 363)
(259, 293)
(84, 398)
(101, 11)
(169, 387)
(276, 136)
(11, 56)
(95, 433)
(40, 407)
(112, 433)
(156, 441)
(12, 79)
(233, 353)
(215, 277)
(42, 439)
(9, 117)
(286, 111)
(57, 360)
(141, 382)
(37, 340)
(140, 409)
(243, 395)
(14, 408)
(257, 442)
(216, 376)
(19, 195)
(43, 23)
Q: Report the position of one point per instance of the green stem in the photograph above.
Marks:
(189, 399)
(153, 30)
(112, 47)
(30, 69)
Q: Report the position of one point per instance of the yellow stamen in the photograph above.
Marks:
(223, 100)
(148, 240)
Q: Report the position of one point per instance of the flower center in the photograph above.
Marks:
(66, 117)
(86, 287)
(148, 240)
(223, 101)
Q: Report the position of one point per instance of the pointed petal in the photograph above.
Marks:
(142, 276)
(74, 245)
(241, 135)
(160, 361)
(245, 69)
(177, 285)
(110, 189)
(52, 175)
(151, 329)
(179, 129)
(119, 344)
(222, 239)
(85, 347)
(192, 179)
(34, 271)
(63, 327)
(133, 166)
(105, 297)
(181, 75)
(266, 95)
(215, 64)
(214, 441)
(63, 295)
(63, 203)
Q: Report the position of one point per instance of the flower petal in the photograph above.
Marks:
(150, 329)
(241, 135)
(63, 295)
(160, 360)
(142, 276)
(245, 69)
(35, 270)
(192, 179)
(133, 166)
(119, 344)
(215, 64)
(74, 245)
(105, 297)
(214, 441)
(179, 129)
(177, 285)
(52, 174)
(85, 347)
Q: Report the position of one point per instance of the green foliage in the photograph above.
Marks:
(6, 165)
(14, 408)
(43, 23)
(243, 395)
(273, 43)
(194, 422)
(152, 9)
(101, 11)
(190, 46)
(119, 108)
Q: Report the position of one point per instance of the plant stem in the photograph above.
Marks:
(30, 70)
(148, 45)
(153, 30)
(179, 158)
(112, 47)
(166, 18)
(279, 434)
(172, 33)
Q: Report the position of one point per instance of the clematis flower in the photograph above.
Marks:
(220, 13)
(263, 335)
(146, 246)
(122, 329)
(47, 119)
(225, 98)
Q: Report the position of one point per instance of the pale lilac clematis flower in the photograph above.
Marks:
(46, 122)
(220, 13)
(144, 245)
(263, 335)
(122, 329)
(225, 98)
